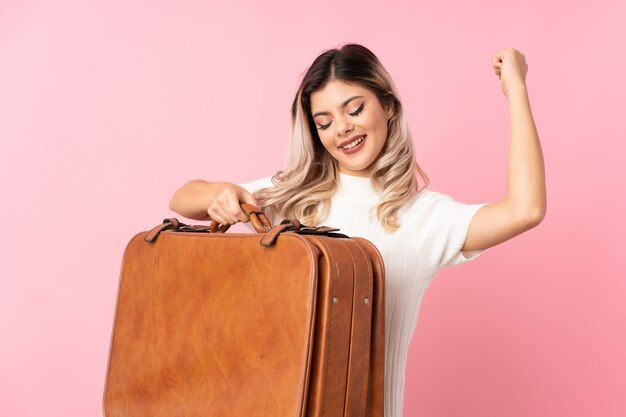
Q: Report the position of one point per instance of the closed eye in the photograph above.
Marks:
(354, 113)
(357, 111)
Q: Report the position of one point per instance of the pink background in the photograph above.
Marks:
(106, 107)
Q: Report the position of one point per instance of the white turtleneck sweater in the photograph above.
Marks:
(432, 233)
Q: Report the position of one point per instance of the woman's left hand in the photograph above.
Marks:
(510, 67)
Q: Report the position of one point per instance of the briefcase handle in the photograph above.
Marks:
(258, 219)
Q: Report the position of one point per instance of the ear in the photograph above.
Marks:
(390, 111)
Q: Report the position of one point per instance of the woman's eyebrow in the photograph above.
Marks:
(344, 104)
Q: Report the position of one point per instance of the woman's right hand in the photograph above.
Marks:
(218, 201)
(225, 207)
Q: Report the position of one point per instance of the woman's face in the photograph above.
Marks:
(352, 125)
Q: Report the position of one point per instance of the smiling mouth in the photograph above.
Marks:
(353, 143)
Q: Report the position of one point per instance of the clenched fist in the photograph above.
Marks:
(510, 67)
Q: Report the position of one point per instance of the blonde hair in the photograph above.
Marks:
(303, 190)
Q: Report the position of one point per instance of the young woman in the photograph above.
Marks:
(351, 165)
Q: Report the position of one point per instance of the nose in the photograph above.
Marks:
(343, 126)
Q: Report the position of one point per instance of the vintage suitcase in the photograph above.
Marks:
(285, 322)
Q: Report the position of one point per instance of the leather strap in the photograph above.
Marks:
(171, 223)
(286, 225)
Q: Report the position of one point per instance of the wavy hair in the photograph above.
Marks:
(303, 190)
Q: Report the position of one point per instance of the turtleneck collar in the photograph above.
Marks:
(356, 188)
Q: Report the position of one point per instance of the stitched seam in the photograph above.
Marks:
(363, 365)
(366, 332)
(330, 338)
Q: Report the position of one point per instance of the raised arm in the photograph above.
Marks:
(525, 204)
(219, 201)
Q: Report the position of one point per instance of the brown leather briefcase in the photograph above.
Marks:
(288, 321)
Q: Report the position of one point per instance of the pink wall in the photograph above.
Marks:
(107, 107)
